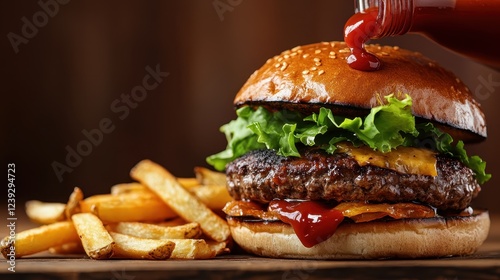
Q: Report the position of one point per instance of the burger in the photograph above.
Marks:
(327, 162)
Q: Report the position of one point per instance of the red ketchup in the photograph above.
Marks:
(312, 221)
(468, 27)
(360, 28)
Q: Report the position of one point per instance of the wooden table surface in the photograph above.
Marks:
(485, 264)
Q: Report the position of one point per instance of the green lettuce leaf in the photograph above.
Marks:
(385, 128)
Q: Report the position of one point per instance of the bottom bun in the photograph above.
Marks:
(406, 238)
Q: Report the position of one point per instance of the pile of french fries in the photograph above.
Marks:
(157, 217)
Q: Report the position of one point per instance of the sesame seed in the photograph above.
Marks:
(346, 50)
(325, 43)
(293, 54)
(305, 72)
(395, 48)
(314, 68)
(269, 61)
(287, 52)
(287, 56)
(332, 53)
(317, 63)
(277, 65)
(285, 65)
(321, 72)
(317, 51)
(332, 44)
(280, 59)
(296, 48)
(300, 51)
(317, 59)
(384, 53)
(332, 56)
(458, 80)
(305, 55)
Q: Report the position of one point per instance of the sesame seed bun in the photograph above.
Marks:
(406, 238)
(307, 77)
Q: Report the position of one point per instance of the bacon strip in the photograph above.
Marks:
(357, 211)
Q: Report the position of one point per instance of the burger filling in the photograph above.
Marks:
(314, 221)
(263, 176)
(386, 128)
(317, 171)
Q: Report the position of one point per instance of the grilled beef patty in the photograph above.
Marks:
(263, 175)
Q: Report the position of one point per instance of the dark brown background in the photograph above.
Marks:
(66, 77)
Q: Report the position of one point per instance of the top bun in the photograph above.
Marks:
(308, 77)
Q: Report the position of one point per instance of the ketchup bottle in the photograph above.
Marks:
(468, 27)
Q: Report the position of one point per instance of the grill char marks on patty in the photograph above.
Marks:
(263, 175)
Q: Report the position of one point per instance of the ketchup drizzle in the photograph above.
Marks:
(312, 222)
(357, 31)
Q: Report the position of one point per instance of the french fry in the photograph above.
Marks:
(151, 231)
(158, 217)
(72, 248)
(40, 239)
(45, 212)
(96, 241)
(209, 177)
(129, 207)
(192, 249)
(88, 202)
(73, 204)
(218, 248)
(187, 206)
(130, 247)
(178, 221)
(214, 197)
(188, 183)
(124, 188)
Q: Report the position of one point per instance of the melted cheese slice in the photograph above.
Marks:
(407, 160)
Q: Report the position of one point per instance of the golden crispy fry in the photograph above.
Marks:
(129, 207)
(72, 248)
(73, 205)
(151, 231)
(215, 197)
(124, 188)
(45, 212)
(188, 183)
(118, 189)
(192, 249)
(125, 197)
(206, 176)
(130, 247)
(39, 239)
(218, 248)
(96, 240)
(178, 221)
(179, 207)
(165, 185)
